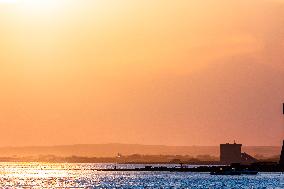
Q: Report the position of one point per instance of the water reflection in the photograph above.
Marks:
(47, 175)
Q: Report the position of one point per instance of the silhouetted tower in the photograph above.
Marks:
(281, 162)
(230, 153)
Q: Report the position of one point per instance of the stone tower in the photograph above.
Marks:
(230, 153)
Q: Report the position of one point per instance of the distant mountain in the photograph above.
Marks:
(111, 150)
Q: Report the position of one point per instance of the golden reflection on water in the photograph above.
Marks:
(64, 175)
(38, 170)
(37, 175)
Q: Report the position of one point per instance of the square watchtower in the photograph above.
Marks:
(230, 153)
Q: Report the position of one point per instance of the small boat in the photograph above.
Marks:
(233, 172)
(249, 172)
(226, 172)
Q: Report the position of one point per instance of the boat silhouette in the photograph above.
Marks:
(233, 171)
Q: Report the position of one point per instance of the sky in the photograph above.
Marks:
(167, 72)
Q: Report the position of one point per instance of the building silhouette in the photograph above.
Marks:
(230, 153)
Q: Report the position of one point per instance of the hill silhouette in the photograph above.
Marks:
(111, 150)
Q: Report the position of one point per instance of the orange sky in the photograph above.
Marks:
(152, 72)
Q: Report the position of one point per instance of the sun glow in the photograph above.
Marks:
(35, 3)
(41, 4)
(169, 63)
(8, 1)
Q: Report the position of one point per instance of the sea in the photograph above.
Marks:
(66, 175)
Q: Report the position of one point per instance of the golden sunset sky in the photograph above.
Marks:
(173, 72)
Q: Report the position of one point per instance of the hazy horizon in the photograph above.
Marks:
(176, 73)
(111, 150)
(140, 144)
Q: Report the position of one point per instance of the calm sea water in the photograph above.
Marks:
(38, 175)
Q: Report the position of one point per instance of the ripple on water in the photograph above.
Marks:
(39, 175)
